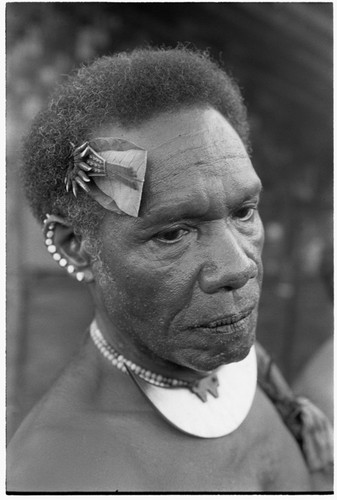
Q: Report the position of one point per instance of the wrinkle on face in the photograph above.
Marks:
(199, 153)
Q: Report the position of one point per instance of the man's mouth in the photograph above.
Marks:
(227, 324)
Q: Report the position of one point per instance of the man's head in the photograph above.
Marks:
(126, 89)
(178, 285)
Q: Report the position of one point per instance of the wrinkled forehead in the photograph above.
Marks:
(184, 146)
(197, 148)
(188, 134)
(173, 129)
(196, 145)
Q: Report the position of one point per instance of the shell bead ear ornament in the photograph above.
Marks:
(84, 275)
(49, 232)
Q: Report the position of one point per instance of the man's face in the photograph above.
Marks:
(182, 281)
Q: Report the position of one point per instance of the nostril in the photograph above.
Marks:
(237, 281)
(229, 277)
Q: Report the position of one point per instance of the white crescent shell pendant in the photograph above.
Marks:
(216, 417)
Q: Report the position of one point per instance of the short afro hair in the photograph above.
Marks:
(125, 89)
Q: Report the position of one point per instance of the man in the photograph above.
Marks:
(140, 171)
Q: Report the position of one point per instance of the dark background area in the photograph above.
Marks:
(281, 55)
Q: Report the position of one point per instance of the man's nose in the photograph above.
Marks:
(228, 266)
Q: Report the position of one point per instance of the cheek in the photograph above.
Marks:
(159, 294)
(147, 290)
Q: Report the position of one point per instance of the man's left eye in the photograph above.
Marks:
(244, 213)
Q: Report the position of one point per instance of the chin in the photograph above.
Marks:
(206, 362)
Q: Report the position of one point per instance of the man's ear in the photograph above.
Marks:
(66, 248)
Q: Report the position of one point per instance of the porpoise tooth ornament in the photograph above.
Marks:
(111, 171)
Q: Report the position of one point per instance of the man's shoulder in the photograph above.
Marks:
(32, 449)
(61, 443)
(62, 454)
(70, 440)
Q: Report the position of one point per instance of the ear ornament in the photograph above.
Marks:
(49, 232)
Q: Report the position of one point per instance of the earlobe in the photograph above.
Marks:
(66, 248)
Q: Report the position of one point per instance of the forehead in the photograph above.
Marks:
(192, 155)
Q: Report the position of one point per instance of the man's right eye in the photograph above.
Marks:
(171, 235)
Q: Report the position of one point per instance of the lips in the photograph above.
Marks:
(227, 324)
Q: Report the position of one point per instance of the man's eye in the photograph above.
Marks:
(245, 213)
(171, 235)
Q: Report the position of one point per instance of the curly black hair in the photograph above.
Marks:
(124, 89)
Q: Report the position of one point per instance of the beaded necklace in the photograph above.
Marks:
(123, 364)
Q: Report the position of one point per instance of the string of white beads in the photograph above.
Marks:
(49, 242)
(120, 362)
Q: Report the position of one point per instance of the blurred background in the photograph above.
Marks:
(281, 54)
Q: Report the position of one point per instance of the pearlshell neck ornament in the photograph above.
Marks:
(111, 171)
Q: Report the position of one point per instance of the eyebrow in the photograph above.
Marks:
(192, 209)
(170, 213)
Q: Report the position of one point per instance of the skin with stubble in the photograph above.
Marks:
(176, 290)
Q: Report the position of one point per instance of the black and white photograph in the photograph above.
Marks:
(169, 248)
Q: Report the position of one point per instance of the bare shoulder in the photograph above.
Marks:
(67, 454)
(71, 441)
(285, 468)
(34, 457)
(68, 450)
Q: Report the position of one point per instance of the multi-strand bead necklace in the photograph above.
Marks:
(120, 362)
